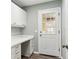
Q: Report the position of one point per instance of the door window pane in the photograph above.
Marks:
(48, 22)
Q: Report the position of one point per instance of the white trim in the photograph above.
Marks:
(60, 57)
(36, 52)
(59, 28)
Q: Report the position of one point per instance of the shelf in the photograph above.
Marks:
(18, 26)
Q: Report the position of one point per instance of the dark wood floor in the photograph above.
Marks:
(35, 56)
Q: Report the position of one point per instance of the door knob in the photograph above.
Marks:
(65, 46)
(40, 31)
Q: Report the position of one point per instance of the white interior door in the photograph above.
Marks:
(49, 31)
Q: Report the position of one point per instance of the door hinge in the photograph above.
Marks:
(59, 49)
(58, 31)
(58, 13)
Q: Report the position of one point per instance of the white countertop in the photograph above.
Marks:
(18, 39)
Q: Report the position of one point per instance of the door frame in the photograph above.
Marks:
(59, 27)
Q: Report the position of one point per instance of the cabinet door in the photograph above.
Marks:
(13, 55)
(24, 17)
(13, 16)
(16, 13)
(18, 16)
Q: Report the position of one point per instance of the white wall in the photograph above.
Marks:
(16, 31)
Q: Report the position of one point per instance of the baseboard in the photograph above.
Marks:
(36, 52)
(39, 53)
(60, 57)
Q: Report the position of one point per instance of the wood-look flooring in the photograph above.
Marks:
(36, 56)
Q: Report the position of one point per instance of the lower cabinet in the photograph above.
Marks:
(27, 48)
(16, 52)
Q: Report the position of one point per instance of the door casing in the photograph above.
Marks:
(58, 30)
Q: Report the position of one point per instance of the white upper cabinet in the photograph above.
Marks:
(18, 16)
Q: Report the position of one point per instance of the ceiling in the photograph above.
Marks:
(23, 3)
